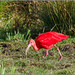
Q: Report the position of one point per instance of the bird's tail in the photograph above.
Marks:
(64, 37)
(60, 36)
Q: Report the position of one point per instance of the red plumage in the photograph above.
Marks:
(48, 39)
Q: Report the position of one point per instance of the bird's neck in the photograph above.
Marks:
(35, 47)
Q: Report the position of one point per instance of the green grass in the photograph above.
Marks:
(13, 60)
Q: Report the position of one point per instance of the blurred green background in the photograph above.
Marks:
(36, 17)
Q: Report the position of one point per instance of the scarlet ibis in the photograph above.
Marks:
(47, 41)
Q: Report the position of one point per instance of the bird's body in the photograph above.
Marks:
(47, 41)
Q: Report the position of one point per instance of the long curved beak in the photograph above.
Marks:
(27, 49)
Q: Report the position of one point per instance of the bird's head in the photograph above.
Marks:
(30, 43)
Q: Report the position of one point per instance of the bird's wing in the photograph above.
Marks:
(50, 38)
(59, 37)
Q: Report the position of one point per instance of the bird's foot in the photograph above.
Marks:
(45, 57)
(60, 58)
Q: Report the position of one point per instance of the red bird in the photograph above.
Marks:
(47, 41)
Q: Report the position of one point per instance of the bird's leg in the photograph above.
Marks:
(46, 54)
(59, 53)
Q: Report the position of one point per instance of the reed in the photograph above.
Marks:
(58, 16)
